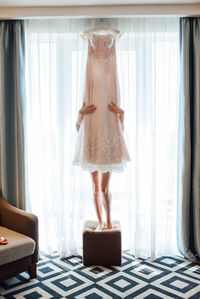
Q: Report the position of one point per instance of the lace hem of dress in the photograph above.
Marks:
(102, 153)
(102, 168)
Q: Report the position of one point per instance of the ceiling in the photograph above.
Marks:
(88, 2)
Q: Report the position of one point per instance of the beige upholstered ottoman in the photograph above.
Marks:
(101, 247)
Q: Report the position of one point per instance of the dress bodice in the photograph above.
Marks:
(101, 43)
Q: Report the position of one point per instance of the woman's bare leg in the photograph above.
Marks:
(97, 199)
(105, 179)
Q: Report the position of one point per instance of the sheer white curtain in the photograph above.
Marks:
(144, 195)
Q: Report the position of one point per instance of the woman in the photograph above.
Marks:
(105, 177)
(100, 145)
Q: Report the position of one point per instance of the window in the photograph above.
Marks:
(144, 196)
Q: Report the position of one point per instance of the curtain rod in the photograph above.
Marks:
(100, 11)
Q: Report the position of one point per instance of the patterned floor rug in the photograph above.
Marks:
(166, 277)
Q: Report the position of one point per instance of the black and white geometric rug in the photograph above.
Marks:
(166, 277)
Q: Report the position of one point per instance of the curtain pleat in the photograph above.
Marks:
(188, 226)
(12, 96)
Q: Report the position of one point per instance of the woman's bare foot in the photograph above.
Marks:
(109, 226)
(99, 227)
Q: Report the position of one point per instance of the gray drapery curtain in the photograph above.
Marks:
(12, 94)
(188, 226)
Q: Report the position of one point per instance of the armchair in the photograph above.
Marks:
(21, 252)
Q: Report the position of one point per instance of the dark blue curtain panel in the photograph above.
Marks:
(188, 188)
(12, 99)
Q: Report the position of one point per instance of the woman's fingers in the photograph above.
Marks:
(114, 108)
(89, 109)
(110, 107)
(113, 111)
(113, 104)
(89, 106)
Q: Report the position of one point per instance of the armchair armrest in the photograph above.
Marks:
(19, 221)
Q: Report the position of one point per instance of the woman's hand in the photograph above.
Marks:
(114, 108)
(83, 111)
(87, 109)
